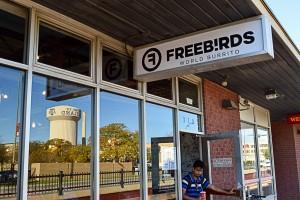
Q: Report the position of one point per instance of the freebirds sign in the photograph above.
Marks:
(233, 44)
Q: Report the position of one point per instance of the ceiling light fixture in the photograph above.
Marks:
(271, 94)
(224, 82)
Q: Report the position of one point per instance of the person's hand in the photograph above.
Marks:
(235, 192)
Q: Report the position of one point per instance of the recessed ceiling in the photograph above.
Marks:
(146, 21)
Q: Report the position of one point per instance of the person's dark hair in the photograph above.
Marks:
(198, 163)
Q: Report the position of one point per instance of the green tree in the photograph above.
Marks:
(4, 157)
(54, 150)
(80, 153)
(35, 152)
(149, 155)
(266, 154)
(117, 143)
(58, 150)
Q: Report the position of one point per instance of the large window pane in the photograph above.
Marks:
(249, 155)
(119, 147)
(13, 30)
(160, 147)
(249, 159)
(11, 96)
(64, 50)
(60, 139)
(118, 69)
(161, 88)
(188, 93)
(265, 161)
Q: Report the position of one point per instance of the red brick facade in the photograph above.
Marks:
(218, 120)
(286, 149)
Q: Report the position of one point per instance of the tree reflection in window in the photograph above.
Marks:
(58, 151)
(118, 144)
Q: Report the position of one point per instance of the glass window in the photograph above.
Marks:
(249, 156)
(262, 117)
(118, 69)
(251, 187)
(64, 50)
(189, 122)
(161, 152)
(11, 96)
(249, 159)
(60, 139)
(247, 114)
(161, 88)
(119, 147)
(188, 93)
(13, 32)
(265, 161)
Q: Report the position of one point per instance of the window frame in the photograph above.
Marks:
(257, 126)
(18, 10)
(73, 31)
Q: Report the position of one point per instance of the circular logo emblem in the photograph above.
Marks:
(151, 59)
(113, 68)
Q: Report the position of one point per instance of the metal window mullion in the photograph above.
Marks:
(142, 146)
(178, 186)
(257, 157)
(201, 89)
(239, 162)
(99, 58)
(274, 189)
(178, 176)
(22, 185)
(272, 161)
(257, 152)
(95, 179)
(95, 173)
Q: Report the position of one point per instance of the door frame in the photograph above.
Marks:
(236, 136)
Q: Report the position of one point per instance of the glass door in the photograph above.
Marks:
(222, 155)
(257, 161)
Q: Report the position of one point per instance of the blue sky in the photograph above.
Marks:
(287, 13)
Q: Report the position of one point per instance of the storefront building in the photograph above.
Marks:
(91, 108)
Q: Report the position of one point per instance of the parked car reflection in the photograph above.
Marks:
(8, 176)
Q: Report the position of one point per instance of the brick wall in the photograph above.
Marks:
(286, 149)
(297, 149)
(54, 168)
(218, 120)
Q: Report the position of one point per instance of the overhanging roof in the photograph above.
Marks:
(147, 21)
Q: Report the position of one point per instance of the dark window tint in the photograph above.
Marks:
(188, 93)
(64, 50)
(161, 88)
(12, 32)
(118, 69)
